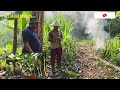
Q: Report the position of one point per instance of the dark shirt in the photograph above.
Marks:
(29, 35)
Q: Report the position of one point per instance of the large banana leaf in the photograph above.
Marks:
(22, 22)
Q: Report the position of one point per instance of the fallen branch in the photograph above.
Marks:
(108, 63)
(3, 73)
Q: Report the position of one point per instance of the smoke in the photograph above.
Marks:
(50, 14)
(93, 27)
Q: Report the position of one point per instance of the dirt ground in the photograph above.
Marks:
(88, 67)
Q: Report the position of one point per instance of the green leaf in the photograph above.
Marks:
(18, 58)
(11, 56)
(22, 22)
(26, 14)
(11, 24)
(71, 73)
(118, 14)
(1, 19)
(9, 47)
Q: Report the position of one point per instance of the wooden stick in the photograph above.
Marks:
(108, 63)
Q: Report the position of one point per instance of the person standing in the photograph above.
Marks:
(55, 38)
(31, 41)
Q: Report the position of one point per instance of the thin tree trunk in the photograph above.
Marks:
(15, 36)
(15, 41)
(40, 16)
(41, 31)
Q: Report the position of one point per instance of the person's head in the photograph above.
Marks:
(56, 25)
(33, 25)
(33, 22)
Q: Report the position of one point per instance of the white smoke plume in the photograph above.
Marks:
(95, 28)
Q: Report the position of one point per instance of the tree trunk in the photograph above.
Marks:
(15, 41)
(40, 16)
(15, 36)
(39, 31)
(41, 26)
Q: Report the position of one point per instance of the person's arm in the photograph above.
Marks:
(60, 37)
(27, 47)
(50, 38)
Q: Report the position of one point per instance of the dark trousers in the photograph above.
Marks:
(56, 54)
